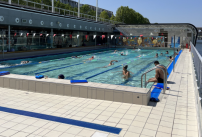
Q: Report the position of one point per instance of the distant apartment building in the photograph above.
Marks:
(75, 4)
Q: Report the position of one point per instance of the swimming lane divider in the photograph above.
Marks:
(63, 120)
(57, 68)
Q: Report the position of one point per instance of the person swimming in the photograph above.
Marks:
(161, 54)
(167, 52)
(24, 62)
(125, 72)
(90, 58)
(157, 55)
(61, 76)
(115, 51)
(176, 53)
(76, 57)
(110, 64)
(122, 54)
(170, 58)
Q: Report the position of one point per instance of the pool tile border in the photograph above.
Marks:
(117, 93)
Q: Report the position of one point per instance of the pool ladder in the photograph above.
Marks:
(165, 76)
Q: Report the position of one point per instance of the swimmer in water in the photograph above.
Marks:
(170, 58)
(138, 56)
(161, 54)
(111, 63)
(115, 51)
(125, 72)
(24, 62)
(122, 54)
(157, 55)
(91, 58)
(76, 57)
(167, 52)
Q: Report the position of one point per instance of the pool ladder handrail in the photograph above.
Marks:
(165, 76)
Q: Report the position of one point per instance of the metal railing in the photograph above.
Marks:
(57, 10)
(165, 78)
(197, 76)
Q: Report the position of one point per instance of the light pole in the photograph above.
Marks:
(9, 1)
(52, 6)
(96, 9)
(78, 8)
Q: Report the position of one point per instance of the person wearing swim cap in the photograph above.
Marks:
(61, 76)
(170, 58)
(126, 73)
(91, 58)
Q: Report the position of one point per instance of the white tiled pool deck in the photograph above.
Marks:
(174, 116)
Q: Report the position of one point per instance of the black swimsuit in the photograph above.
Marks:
(160, 80)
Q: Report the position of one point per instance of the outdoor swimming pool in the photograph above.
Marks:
(93, 71)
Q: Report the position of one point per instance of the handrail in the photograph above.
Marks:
(166, 74)
(165, 78)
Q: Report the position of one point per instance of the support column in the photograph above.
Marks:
(95, 38)
(78, 8)
(9, 1)
(51, 36)
(9, 38)
(78, 36)
(108, 39)
(174, 56)
(53, 9)
(96, 9)
(192, 38)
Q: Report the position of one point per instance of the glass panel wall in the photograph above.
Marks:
(29, 39)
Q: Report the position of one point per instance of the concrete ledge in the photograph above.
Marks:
(91, 90)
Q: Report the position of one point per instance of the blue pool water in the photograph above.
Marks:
(93, 71)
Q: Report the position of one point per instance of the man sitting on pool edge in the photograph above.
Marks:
(159, 76)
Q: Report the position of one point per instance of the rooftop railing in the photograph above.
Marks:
(60, 11)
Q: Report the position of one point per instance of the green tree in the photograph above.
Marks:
(47, 2)
(85, 9)
(147, 21)
(104, 15)
(92, 13)
(129, 16)
(113, 18)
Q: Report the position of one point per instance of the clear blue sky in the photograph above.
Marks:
(160, 11)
